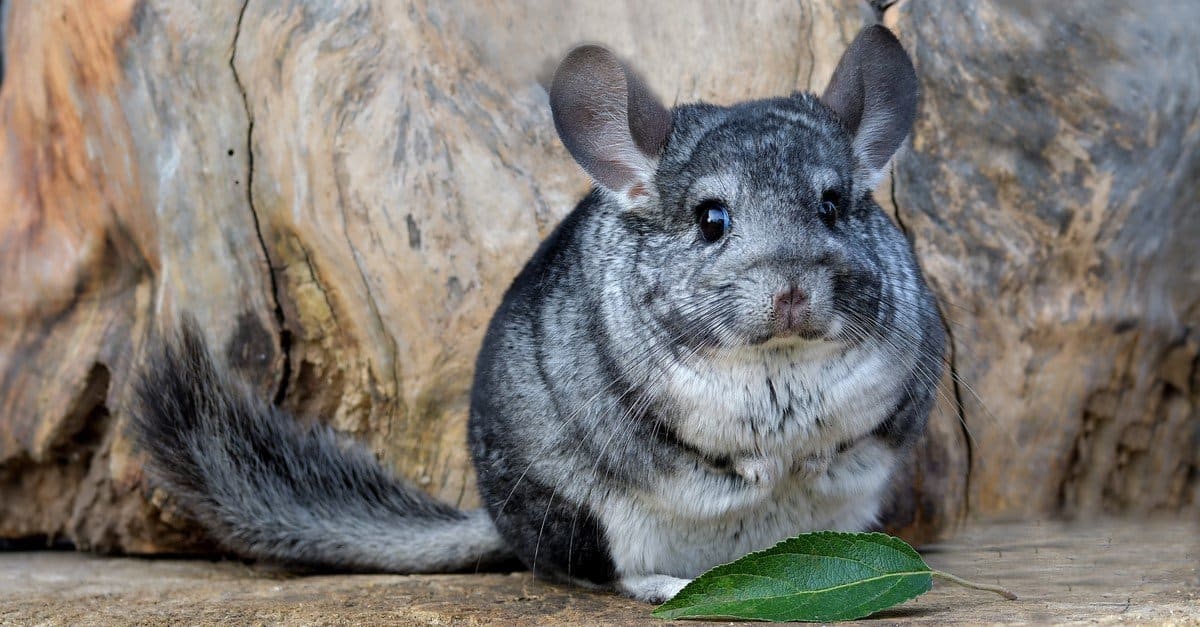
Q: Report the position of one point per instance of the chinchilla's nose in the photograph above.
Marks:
(791, 304)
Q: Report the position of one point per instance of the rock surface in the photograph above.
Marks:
(341, 194)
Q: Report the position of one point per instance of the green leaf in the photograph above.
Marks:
(824, 576)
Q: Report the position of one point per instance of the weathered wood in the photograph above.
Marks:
(1051, 195)
(341, 192)
(1129, 572)
(120, 202)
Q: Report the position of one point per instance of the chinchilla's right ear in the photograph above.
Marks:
(609, 120)
(874, 92)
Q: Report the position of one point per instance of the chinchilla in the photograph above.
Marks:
(726, 343)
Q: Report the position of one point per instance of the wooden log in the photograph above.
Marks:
(341, 192)
(1050, 192)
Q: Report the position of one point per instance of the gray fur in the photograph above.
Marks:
(640, 410)
(636, 382)
(267, 487)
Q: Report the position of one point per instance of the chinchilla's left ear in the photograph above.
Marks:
(609, 120)
(874, 92)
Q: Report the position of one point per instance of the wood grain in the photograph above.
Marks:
(1050, 192)
(341, 192)
(1106, 572)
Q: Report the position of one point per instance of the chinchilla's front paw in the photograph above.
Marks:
(758, 471)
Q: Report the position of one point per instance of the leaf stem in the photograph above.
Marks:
(971, 584)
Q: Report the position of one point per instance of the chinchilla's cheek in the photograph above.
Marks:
(836, 327)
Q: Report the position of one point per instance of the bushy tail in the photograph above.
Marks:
(267, 487)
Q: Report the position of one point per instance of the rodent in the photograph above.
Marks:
(726, 343)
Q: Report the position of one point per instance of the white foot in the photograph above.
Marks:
(651, 588)
(759, 472)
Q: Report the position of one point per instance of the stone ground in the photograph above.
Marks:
(1110, 572)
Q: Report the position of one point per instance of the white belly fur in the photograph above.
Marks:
(691, 521)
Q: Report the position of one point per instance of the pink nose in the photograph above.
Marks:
(789, 306)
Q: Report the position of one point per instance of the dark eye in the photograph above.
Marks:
(713, 218)
(829, 208)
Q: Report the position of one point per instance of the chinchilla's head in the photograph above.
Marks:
(752, 222)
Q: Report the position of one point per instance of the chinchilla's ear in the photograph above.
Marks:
(609, 121)
(874, 92)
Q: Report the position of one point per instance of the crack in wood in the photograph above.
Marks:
(3, 39)
(951, 360)
(285, 336)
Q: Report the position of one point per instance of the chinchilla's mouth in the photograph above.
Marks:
(795, 340)
(803, 329)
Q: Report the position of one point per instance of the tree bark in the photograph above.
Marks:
(341, 193)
